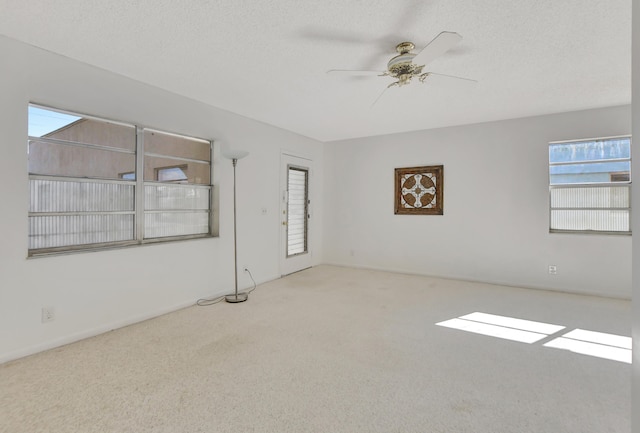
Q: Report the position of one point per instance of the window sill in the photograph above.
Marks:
(48, 252)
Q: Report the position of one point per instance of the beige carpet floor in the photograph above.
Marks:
(331, 349)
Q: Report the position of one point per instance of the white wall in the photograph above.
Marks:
(635, 171)
(95, 292)
(495, 223)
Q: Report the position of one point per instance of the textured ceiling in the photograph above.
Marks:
(267, 60)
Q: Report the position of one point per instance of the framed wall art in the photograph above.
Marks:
(419, 190)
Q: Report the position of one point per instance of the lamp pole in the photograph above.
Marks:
(235, 298)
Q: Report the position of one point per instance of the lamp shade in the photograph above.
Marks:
(234, 153)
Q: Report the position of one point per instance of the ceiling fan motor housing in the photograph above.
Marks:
(402, 66)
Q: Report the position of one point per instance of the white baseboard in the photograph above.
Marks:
(26, 351)
(612, 294)
(92, 332)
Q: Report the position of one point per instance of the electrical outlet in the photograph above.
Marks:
(553, 269)
(48, 314)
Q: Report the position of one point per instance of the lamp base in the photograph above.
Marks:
(234, 299)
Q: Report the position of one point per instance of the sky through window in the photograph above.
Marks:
(43, 121)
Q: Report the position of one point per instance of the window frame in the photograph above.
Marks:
(627, 184)
(139, 183)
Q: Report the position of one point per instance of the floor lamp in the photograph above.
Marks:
(234, 156)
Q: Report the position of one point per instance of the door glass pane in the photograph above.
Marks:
(297, 211)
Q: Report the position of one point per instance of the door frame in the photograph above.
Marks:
(303, 261)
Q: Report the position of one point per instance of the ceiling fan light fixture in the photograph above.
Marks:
(405, 47)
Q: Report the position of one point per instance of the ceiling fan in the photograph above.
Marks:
(406, 65)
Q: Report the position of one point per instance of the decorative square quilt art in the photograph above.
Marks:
(419, 190)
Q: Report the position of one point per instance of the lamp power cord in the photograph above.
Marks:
(205, 302)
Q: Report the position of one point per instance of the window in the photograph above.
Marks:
(85, 174)
(590, 185)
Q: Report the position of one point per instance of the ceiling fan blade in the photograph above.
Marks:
(433, 74)
(354, 73)
(325, 34)
(379, 96)
(437, 47)
(412, 14)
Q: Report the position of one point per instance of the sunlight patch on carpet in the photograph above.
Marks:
(508, 328)
(592, 343)
(598, 344)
